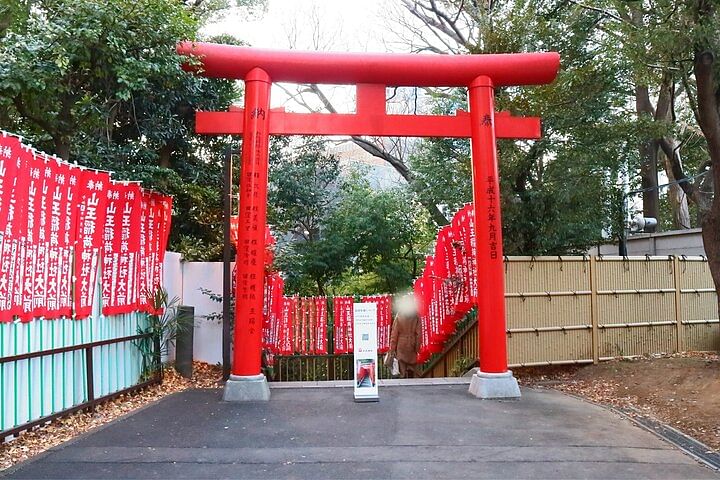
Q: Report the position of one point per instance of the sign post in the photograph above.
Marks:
(365, 352)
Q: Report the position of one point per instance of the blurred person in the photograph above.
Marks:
(405, 337)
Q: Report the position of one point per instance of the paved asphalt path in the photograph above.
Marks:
(414, 432)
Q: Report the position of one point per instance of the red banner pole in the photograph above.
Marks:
(488, 229)
(251, 226)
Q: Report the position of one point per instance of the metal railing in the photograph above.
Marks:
(316, 368)
(89, 387)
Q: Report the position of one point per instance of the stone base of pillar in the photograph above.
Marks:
(253, 388)
(494, 385)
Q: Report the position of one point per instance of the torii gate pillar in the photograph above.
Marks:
(494, 380)
(247, 382)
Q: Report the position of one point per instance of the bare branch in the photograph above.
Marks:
(439, 23)
(600, 10)
(690, 97)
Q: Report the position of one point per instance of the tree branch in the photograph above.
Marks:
(600, 10)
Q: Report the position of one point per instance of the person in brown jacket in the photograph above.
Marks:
(405, 342)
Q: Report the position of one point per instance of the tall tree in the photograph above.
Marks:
(302, 194)
(337, 234)
(100, 83)
(559, 193)
(386, 232)
(704, 16)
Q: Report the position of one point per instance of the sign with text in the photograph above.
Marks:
(365, 354)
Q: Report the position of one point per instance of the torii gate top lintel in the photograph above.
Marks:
(391, 69)
(371, 72)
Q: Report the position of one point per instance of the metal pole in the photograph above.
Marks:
(227, 259)
(622, 241)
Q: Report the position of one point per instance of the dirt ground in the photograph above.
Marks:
(682, 391)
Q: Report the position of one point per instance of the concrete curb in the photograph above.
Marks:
(386, 382)
(692, 446)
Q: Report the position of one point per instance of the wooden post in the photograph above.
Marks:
(594, 309)
(679, 331)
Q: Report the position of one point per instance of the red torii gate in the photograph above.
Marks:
(371, 73)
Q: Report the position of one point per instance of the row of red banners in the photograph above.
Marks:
(447, 289)
(60, 224)
(444, 294)
(343, 322)
(299, 325)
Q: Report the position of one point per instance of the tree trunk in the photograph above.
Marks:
(165, 153)
(709, 119)
(648, 182)
(320, 287)
(678, 199)
(62, 148)
(648, 158)
(665, 114)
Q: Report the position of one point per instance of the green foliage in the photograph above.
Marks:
(100, 83)
(561, 192)
(303, 181)
(163, 329)
(387, 233)
(337, 235)
(462, 365)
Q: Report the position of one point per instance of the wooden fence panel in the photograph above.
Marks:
(698, 305)
(580, 309)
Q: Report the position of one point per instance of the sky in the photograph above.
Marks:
(344, 25)
(326, 25)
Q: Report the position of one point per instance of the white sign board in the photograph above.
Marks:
(365, 356)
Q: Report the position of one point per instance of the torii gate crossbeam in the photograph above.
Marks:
(371, 73)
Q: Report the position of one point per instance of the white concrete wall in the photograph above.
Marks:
(172, 275)
(678, 242)
(184, 280)
(207, 344)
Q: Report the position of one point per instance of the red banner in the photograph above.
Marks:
(144, 264)
(23, 194)
(302, 331)
(62, 236)
(267, 306)
(321, 315)
(71, 179)
(163, 219)
(286, 327)
(295, 306)
(35, 297)
(121, 247)
(272, 313)
(277, 311)
(460, 226)
(92, 198)
(384, 319)
(343, 318)
(53, 238)
(420, 298)
(469, 243)
(12, 185)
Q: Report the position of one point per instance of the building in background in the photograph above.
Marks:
(379, 173)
